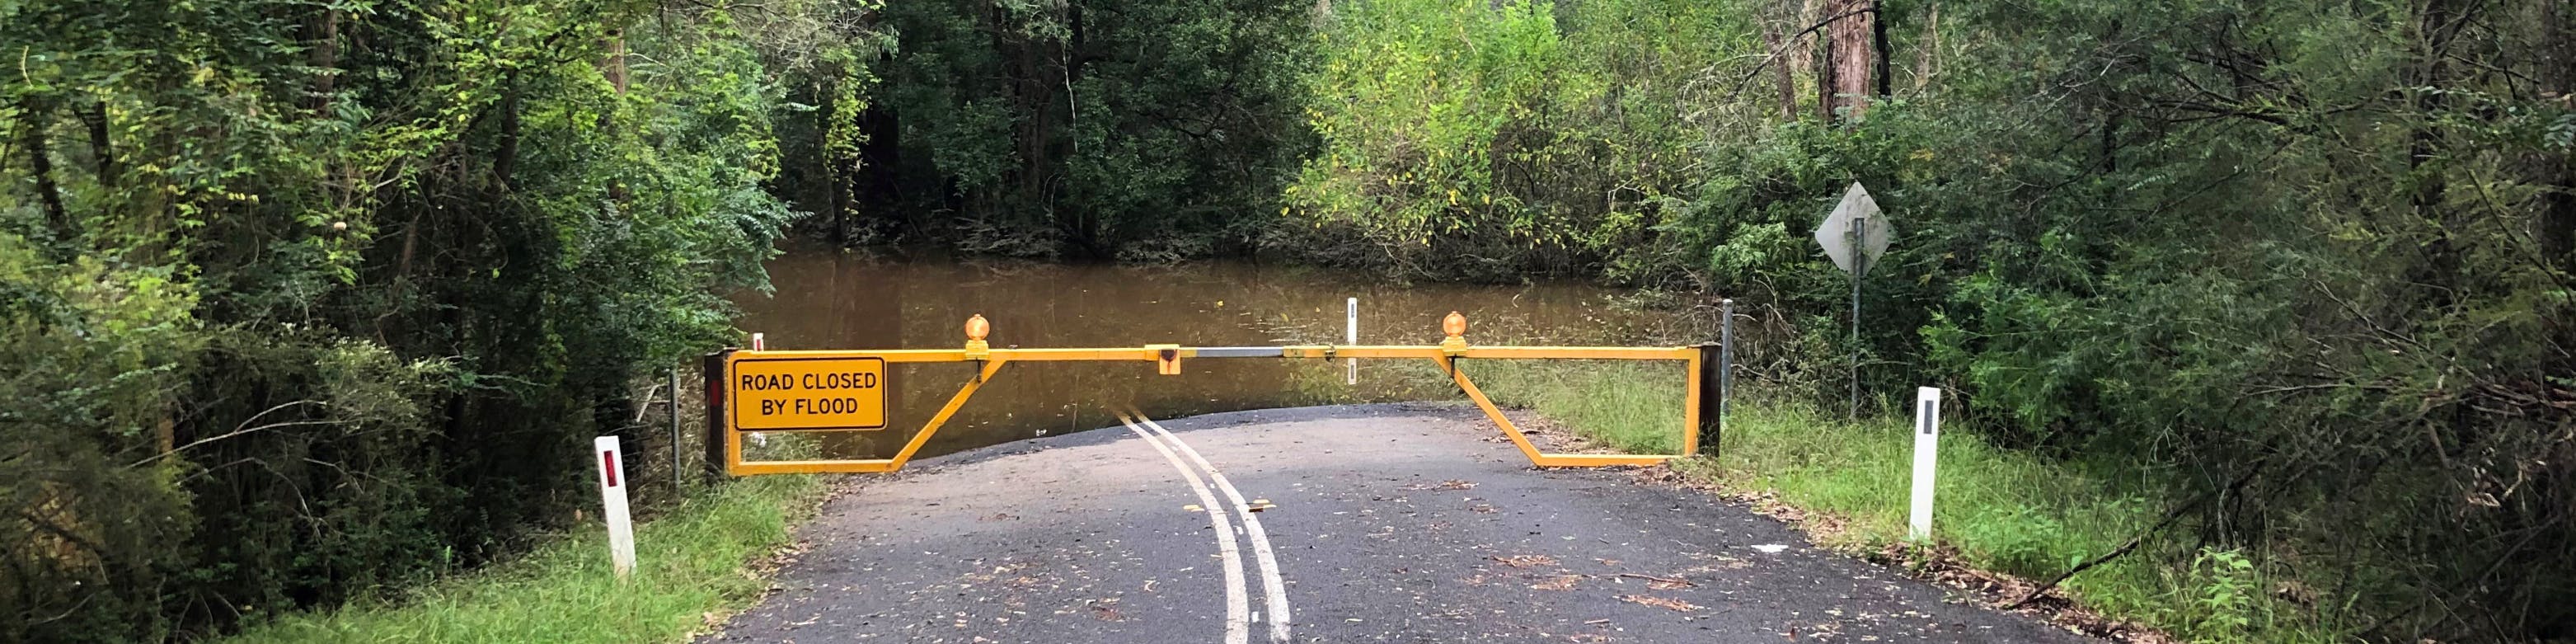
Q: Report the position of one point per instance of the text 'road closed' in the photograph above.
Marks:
(781, 394)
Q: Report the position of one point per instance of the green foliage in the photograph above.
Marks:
(1480, 140)
(306, 302)
(2310, 262)
(2228, 595)
(2020, 538)
(92, 350)
(1100, 128)
(1633, 408)
(689, 562)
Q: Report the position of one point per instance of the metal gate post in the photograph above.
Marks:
(1712, 398)
(716, 435)
(1725, 365)
(677, 474)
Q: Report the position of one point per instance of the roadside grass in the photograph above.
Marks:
(1631, 407)
(690, 561)
(2001, 510)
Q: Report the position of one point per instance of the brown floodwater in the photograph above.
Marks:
(832, 300)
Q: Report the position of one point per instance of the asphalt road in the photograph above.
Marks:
(1387, 523)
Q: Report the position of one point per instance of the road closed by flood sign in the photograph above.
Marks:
(805, 393)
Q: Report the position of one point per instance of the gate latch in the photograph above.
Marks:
(1167, 358)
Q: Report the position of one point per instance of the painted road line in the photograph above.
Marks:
(1237, 608)
(1272, 585)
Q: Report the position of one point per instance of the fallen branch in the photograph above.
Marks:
(2170, 517)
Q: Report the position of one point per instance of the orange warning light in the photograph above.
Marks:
(1455, 325)
(977, 328)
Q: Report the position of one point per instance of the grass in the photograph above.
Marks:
(1635, 408)
(2001, 510)
(689, 562)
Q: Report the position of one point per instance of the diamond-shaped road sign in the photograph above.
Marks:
(1835, 233)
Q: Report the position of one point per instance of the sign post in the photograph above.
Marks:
(676, 485)
(1927, 438)
(1725, 359)
(1855, 235)
(612, 500)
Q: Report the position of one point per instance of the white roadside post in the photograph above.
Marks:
(759, 342)
(1927, 436)
(612, 499)
(1351, 335)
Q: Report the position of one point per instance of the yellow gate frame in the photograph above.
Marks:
(725, 444)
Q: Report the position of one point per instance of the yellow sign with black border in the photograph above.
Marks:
(806, 393)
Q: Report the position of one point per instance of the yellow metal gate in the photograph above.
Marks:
(754, 391)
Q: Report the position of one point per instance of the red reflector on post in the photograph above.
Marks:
(608, 463)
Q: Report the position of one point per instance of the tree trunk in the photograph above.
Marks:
(1851, 55)
(505, 160)
(1780, 72)
(614, 65)
(1825, 64)
(827, 120)
(37, 117)
(1927, 61)
(1878, 47)
(101, 152)
(1802, 47)
(325, 60)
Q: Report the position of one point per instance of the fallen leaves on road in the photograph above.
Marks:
(1661, 583)
(1106, 610)
(1659, 602)
(1527, 561)
(1559, 582)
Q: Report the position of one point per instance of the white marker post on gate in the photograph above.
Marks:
(759, 342)
(1927, 437)
(1351, 335)
(612, 499)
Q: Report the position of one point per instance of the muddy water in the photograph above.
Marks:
(829, 300)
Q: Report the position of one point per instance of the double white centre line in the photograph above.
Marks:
(1236, 623)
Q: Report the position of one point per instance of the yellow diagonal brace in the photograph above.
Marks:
(1531, 450)
(1509, 430)
(990, 367)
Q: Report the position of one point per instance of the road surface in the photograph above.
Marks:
(1379, 523)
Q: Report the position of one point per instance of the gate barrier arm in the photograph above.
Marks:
(725, 429)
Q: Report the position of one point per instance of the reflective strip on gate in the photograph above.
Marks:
(842, 390)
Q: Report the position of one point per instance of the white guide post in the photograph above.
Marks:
(1927, 437)
(1351, 335)
(612, 499)
(759, 342)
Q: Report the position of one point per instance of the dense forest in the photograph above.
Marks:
(303, 300)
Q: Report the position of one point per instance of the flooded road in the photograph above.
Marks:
(830, 300)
